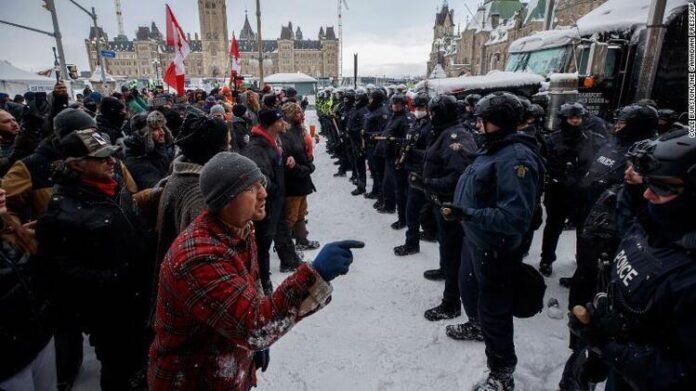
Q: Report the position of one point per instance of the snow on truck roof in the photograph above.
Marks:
(494, 79)
(616, 15)
(544, 40)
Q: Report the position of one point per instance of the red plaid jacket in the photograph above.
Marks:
(211, 314)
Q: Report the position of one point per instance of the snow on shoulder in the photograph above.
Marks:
(494, 79)
(544, 40)
(619, 15)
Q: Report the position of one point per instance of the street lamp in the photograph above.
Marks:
(156, 64)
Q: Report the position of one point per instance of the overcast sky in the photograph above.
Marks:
(392, 37)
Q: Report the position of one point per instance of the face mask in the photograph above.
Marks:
(671, 218)
(420, 113)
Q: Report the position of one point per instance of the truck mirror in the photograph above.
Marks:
(597, 60)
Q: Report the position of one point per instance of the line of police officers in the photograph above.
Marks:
(477, 168)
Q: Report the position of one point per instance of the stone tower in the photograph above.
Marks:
(214, 41)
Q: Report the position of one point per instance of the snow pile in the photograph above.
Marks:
(544, 40)
(494, 79)
(622, 15)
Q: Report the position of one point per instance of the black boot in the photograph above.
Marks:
(405, 249)
(397, 225)
(565, 281)
(359, 190)
(340, 173)
(384, 210)
(372, 195)
(469, 331)
(428, 236)
(498, 380)
(545, 268)
(289, 259)
(442, 312)
(434, 275)
(378, 204)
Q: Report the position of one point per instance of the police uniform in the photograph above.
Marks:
(395, 180)
(375, 120)
(451, 151)
(418, 137)
(498, 193)
(355, 125)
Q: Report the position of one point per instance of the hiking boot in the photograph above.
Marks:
(434, 275)
(358, 191)
(545, 268)
(497, 381)
(565, 281)
(427, 236)
(340, 173)
(442, 312)
(405, 249)
(378, 204)
(397, 225)
(469, 331)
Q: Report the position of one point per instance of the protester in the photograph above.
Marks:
(149, 150)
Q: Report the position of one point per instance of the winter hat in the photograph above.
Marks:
(225, 176)
(201, 137)
(69, 120)
(290, 111)
(111, 107)
(217, 109)
(138, 121)
(239, 110)
(95, 96)
(156, 120)
(269, 117)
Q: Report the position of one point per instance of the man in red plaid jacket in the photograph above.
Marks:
(213, 324)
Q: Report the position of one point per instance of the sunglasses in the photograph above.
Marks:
(663, 189)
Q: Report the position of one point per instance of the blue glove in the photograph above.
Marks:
(335, 258)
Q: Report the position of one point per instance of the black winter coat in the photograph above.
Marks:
(452, 150)
(25, 326)
(418, 137)
(272, 165)
(398, 125)
(106, 127)
(298, 180)
(148, 163)
(241, 134)
(98, 251)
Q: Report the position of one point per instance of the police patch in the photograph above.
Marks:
(521, 170)
(455, 146)
(453, 136)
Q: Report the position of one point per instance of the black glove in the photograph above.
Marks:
(415, 180)
(603, 325)
(451, 212)
(589, 368)
(262, 358)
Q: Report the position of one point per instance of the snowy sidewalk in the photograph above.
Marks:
(373, 335)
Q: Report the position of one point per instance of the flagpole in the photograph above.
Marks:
(260, 42)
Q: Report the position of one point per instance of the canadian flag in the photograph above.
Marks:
(234, 53)
(176, 74)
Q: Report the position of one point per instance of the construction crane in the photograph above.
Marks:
(119, 16)
(341, 3)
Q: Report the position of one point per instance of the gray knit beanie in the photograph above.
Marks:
(225, 176)
(217, 109)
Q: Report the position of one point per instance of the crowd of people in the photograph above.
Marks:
(476, 175)
(146, 222)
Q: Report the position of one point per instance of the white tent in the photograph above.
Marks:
(282, 78)
(17, 81)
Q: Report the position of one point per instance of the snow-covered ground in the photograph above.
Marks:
(373, 335)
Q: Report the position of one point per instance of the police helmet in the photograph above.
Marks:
(672, 155)
(638, 118)
(398, 99)
(472, 99)
(574, 109)
(443, 109)
(421, 100)
(502, 109)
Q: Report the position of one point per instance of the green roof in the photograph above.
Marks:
(506, 8)
(535, 10)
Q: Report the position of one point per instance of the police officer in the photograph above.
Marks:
(667, 121)
(337, 113)
(355, 125)
(495, 199)
(467, 117)
(346, 113)
(634, 123)
(375, 120)
(417, 140)
(570, 151)
(395, 182)
(450, 152)
(642, 326)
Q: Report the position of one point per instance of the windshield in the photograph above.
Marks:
(545, 62)
(516, 62)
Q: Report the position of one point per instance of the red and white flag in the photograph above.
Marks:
(234, 54)
(176, 73)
